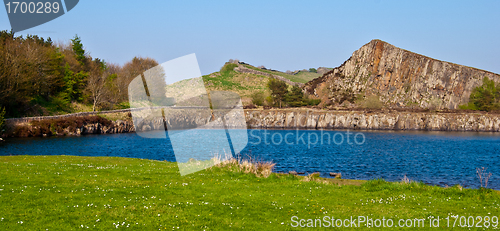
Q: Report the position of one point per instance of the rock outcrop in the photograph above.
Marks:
(330, 119)
(294, 118)
(366, 120)
(118, 126)
(27, 129)
(400, 78)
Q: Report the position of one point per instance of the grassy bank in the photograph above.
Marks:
(67, 192)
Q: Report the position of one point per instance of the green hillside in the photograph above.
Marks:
(305, 76)
(242, 83)
(245, 84)
(292, 78)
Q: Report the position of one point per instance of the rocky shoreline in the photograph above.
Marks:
(302, 118)
(378, 120)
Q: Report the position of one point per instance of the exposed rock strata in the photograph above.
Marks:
(362, 120)
(117, 126)
(311, 119)
(427, 121)
(401, 78)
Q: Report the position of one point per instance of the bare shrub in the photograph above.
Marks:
(311, 177)
(483, 176)
(22, 131)
(264, 168)
(258, 168)
(258, 98)
(222, 161)
(405, 180)
(435, 103)
(246, 167)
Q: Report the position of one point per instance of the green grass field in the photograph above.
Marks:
(103, 193)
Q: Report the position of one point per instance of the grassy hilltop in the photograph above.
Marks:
(69, 192)
(246, 84)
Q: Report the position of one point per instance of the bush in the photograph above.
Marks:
(269, 101)
(293, 98)
(313, 102)
(123, 105)
(313, 70)
(22, 131)
(485, 97)
(258, 98)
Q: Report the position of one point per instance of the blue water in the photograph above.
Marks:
(438, 158)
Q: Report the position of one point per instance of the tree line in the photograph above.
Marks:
(282, 96)
(40, 77)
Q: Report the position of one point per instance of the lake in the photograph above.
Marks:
(438, 158)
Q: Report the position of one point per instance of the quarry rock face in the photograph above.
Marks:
(303, 119)
(400, 78)
(366, 120)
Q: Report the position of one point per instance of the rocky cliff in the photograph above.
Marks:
(400, 78)
(329, 119)
(367, 120)
(290, 119)
(28, 129)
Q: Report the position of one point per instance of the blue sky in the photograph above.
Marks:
(283, 35)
